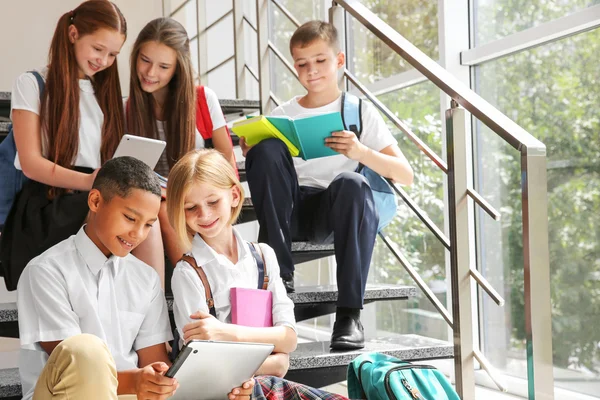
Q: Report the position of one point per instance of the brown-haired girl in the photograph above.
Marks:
(63, 140)
(163, 102)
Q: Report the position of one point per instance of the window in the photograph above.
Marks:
(495, 19)
(552, 92)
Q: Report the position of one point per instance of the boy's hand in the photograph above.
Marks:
(207, 328)
(346, 143)
(150, 382)
(244, 146)
(241, 393)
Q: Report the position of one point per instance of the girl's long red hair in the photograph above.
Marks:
(59, 112)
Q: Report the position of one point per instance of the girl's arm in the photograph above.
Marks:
(277, 364)
(207, 327)
(26, 127)
(222, 142)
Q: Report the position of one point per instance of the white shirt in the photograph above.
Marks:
(58, 297)
(26, 96)
(320, 172)
(222, 274)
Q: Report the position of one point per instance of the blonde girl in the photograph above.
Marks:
(204, 199)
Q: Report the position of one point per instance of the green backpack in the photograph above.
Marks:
(376, 376)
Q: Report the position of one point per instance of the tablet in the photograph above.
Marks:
(144, 149)
(208, 370)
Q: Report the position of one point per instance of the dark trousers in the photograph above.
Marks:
(343, 214)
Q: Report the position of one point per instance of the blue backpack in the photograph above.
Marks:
(383, 194)
(12, 179)
(376, 376)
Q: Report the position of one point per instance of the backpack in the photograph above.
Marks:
(383, 194)
(12, 179)
(376, 376)
(263, 282)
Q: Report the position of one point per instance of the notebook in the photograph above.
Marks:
(251, 307)
(256, 129)
(306, 134)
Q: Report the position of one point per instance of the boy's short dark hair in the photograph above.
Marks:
(313, 30)
(120, 175)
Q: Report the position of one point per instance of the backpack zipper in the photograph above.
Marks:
(413, 391)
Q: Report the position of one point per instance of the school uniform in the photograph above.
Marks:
(321, 200)
(222, 274)
(218, 121)
(36, 223)
(73, 289)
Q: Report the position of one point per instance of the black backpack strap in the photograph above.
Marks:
(210, 302)
(263, 276)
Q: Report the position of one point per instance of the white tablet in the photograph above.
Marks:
(208, 370)
(144, 149)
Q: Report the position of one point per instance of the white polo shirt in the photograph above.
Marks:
(26, 96)
(222, 274)
(58, 297)
(320, 172)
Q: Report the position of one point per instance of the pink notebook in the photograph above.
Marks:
(251, 307)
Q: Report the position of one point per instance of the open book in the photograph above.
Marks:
(304, 137)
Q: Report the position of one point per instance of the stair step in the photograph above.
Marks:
(315, 364)
(10, 384)
(4, 127)
(330, 366)
(329, 293)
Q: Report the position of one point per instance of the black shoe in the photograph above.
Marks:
(288, 282)
(348, 333)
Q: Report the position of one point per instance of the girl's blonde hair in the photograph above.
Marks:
(206, 166)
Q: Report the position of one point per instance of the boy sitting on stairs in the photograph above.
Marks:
(324, 200)
(93, 319)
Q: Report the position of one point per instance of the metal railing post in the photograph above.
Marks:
(337, 18)
(461, 219)
(264, 57)
(239, 49)
(538, 325)
(202, 41)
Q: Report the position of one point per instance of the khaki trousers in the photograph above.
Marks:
(80, 367)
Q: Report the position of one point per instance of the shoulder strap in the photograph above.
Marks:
(207, 292)
(203, 120)
(352, 113)
(41, 83)
(263, 276)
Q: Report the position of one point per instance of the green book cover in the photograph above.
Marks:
(308, 134)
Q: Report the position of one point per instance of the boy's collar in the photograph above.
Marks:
(204, 254)
(92, 255)
(297, 100)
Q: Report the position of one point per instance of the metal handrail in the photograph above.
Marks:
(437, 160)
(437, 232)
(418, 280)
(503, 126)
(286, 12)
(282, 58)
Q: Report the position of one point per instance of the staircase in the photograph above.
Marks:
(312, 363)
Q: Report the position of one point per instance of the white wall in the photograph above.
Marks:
(27, 27)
